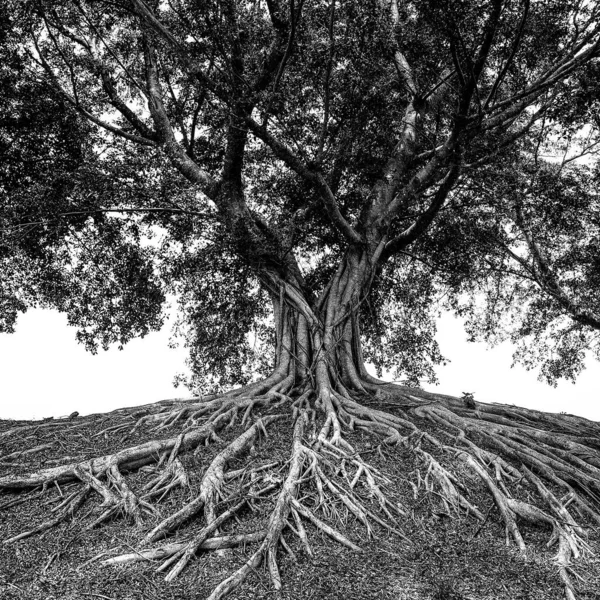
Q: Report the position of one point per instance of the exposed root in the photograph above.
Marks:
(29, 452)
(276, 524)
(72, 423)
(300, 532)
(104, 474)
(312, 470)
(536, 468)
(167, 550)
(527, 438)
(127, 459)
(195, 434)
(212, 482)
(187, 552)
(565, 531)
(448, 484)
(330, 531)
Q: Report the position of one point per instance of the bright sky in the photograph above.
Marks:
(44, 372)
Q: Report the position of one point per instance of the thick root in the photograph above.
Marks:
(163, 552)
(503, 450)
(535, 441)
(127, 459)
(212, 482)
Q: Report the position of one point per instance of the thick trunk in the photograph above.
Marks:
(318, 343)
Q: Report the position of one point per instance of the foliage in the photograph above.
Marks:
(500, 289)
(222, 317)
(194, 149)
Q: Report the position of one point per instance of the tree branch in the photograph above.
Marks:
(176, 153)
(546, 278)
(411, 233)
(511, 56)
(148, 17)
(510, 139)
(284, 153)
(326, 86)
(107, 82)
(41, 61)
(558, 72)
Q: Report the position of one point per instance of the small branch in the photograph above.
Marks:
(180, 160)
(511, 57)
(327, 91)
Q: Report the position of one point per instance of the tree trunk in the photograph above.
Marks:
(318, 344)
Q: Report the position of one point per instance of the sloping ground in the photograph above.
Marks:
(449, 556)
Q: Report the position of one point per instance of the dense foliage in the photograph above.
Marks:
(125, 125)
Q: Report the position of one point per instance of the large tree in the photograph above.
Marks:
(314, 176)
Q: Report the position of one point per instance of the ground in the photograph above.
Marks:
(443, 556)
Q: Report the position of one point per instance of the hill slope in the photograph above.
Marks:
(438, 553)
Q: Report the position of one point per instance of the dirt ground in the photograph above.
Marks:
(449, 557)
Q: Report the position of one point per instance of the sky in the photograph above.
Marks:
(44, 372)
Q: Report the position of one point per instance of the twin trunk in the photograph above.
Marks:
(318, 343)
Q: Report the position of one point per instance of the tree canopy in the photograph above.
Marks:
(210, 151)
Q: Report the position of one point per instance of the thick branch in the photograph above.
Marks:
(411, 233)
(184, 164)
(287, 155)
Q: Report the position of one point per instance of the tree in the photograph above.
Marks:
(338, 167)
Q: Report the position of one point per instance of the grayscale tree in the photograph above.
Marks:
(312, 181)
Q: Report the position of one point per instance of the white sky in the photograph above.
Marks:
(44, 372)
